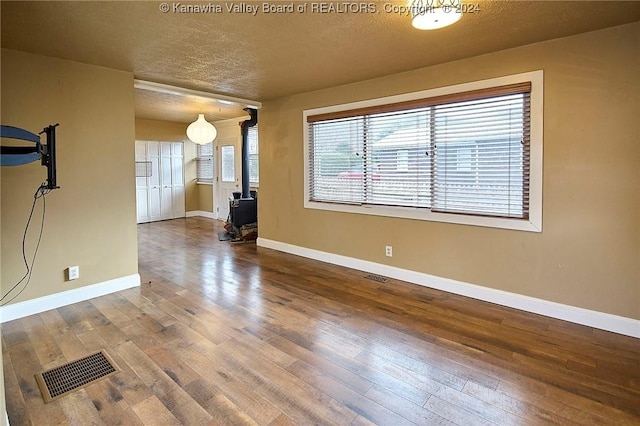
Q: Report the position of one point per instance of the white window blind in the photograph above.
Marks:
(254, 167)
(465, 153)
(204, 163)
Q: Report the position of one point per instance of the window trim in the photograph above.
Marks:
(532, 224)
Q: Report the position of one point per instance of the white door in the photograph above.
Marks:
(227, 176)
(161, 194)
(177, 179)
(143, 171)
(166, 185)
(155, 191)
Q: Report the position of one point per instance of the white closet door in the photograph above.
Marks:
(166, 165)
(142, 184)
(155, 191)
(177, 179)
(161, 195)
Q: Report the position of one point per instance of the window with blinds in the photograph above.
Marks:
(204, 163)
(465, 153)
(254, 167)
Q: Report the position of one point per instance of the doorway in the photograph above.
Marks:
(227, 180)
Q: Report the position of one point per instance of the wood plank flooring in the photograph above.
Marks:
(223, 333)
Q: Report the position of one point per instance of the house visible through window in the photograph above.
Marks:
(254, 171)
(461, 153)
(204, 163)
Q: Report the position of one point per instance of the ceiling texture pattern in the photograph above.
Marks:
(225, 47)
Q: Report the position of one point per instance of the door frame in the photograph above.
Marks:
(219, 187)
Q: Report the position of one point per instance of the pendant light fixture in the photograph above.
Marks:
(435, 14)
(201, 131)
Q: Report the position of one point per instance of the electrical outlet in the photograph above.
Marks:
(73, 273)
(388, 251)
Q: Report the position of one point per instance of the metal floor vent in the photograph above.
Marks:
(375, 277)
(73, 375)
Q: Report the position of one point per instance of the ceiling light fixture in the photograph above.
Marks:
(435, 14)
(201, 131)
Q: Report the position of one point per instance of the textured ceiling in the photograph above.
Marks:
(269, 55)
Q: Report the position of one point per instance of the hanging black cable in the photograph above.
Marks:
(41, 192)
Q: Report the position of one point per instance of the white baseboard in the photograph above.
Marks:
(601, 320)
(201, 213)
(53, 301)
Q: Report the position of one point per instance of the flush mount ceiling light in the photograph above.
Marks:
(435, 14)
(201, 131)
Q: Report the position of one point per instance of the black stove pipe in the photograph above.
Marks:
(252, 121)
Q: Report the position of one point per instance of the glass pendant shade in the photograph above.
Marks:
(435, 14)
(201, 131)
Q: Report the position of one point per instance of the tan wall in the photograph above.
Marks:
(3, 403)
(205, 198)
(589, 252)
(155, 130)
(91, 220)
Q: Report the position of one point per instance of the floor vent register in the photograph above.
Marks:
(73, 375)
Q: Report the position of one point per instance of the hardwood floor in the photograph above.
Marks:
(223, 333)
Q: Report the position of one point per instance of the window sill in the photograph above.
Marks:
(533, 224)
(204, 183)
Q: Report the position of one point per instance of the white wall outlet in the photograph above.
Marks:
(388, 251)
(73, 273)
